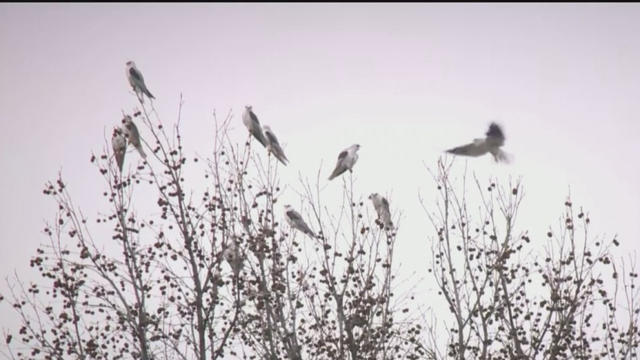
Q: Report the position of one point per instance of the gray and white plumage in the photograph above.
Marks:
(490, 144)
(250, 120)
(233, 256)
(274, 146)
(119, 145)
(296, 221)
(346, 160)
(131, 130)
(136, 80)
(382, 208)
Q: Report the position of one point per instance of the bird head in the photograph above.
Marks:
(130, 63)
(356, 147)
(287, 207)
(126, 119)
(373, 195)
(248, 107)
(267, 128)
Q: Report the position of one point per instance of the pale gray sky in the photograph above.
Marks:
(405, 81)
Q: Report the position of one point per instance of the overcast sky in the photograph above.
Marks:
(405, 81)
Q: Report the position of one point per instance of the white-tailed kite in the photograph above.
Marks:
(491, 144)
(119, 144)
(382, 208)
(274, 146)
(233, 256)
(250, 120)
(346, 160)
(131, 130)
(295, 221)
(137, 81)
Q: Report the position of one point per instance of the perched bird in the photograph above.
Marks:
(295, 221)
(346, 160)
(233, 256)
(491, 144)
(131, 131)
(274, 146)
(119, 144)
(250, 120)
(382, 208)
(137, 81)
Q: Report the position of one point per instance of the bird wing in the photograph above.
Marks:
(271, 139)
(500, 156)
(134, 137)
(136, 75)
(495, 136)
(254, 118)
(136, 80)
(475, 148)
(132, 132)
(298, 222)
(495, 131)
(275, 147)
(119, 144)
(386, 213)
(294, 216)
(340, 165)
(255, 129)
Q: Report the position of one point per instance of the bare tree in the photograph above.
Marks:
(181, 268)
(506, 301)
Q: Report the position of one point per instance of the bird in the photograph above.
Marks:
(137, 81)
(346, 160)
(119, 144)
(274, 146)
(295, 221)
(382, 208)
(233, 256)
(490, 144)
(250, 120)
(132, 133)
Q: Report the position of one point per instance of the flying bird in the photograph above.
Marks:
(137, 81)
(250, 120)
(119, 144)
(382, 208)
(490, 144)
(346, 160)
(295, 221)
(131, 130)
(274, 146)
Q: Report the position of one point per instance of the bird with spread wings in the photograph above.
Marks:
(490, 144)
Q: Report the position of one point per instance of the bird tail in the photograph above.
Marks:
(335, 173)
(283, 159)
(260, 138)
(280, 156)
(147, 92)
(389, 225)
(141, 151)
(120, 160)
(501, 156)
